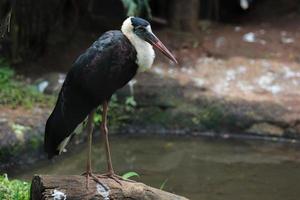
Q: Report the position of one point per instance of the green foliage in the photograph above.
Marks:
(13, 189)
(130, 103)
(128, 175)
(119, 112)
(210, 117)
(16, 92)
(137, 7)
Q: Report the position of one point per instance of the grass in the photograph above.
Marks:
(13, 189)
(16, 92)
(128, 175)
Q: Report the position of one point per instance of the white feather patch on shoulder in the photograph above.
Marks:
(145, 52)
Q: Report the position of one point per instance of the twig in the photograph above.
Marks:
(5, 25)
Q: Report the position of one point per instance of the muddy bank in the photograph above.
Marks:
(164, 103)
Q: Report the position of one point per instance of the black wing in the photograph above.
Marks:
(106, 66)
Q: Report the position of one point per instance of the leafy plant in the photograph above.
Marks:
(13, 189)
(118, 112)
(128, 175)
(15, 92)
(137, 7)
(130, 103)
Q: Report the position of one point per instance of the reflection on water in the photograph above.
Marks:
(195, 167)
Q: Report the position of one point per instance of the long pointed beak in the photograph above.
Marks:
(152, 39)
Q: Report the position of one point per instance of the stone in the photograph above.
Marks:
(50, 83)
(265, 129)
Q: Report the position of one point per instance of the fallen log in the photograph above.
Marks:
(74, 187)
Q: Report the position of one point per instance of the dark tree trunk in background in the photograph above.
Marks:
(34, 20)
(31, 24)
(183, 15)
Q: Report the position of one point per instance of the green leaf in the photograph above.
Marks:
(97, 118)
(129, 175)
(130, 101)
(162, 186)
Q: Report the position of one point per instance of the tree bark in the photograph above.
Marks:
(74, 187)
(183, 15)
(33, 19)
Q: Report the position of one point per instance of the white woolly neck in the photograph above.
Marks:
(145, 52)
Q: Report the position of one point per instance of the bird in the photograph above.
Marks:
(106, 66)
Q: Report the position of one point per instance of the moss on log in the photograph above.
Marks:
(74, 187)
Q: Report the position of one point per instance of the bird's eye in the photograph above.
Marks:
(140, 28)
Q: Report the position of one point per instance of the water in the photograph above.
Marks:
(194, 167)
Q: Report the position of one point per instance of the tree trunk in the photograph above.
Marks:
(32, 22)
(183, 15)
(74, 187)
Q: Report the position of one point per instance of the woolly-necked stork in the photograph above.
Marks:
(109, 64)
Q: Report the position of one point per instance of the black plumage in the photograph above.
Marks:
(102, 69)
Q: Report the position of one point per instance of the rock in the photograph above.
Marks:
(249, 37)
(265, 129)
(21, 135)
(50, 83)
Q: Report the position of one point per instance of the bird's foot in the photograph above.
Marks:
(114, 176)
(94, 177)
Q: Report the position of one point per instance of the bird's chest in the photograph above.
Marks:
(126, 73)
(145, 56)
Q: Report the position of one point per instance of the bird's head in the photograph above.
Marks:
(142, 29)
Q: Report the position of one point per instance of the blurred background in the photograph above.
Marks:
(223, 124)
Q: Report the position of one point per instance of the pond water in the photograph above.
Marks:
(197, 168)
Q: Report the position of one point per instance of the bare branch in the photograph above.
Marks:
(5, 24)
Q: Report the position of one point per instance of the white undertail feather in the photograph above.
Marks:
(61, 147)
(145, 52)
(79, 129)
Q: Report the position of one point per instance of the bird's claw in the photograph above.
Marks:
(112, 176)
(115, 177)
(89, 175)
